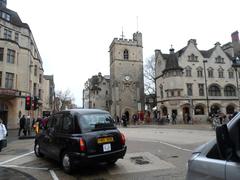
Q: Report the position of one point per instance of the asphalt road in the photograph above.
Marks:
(153, 153)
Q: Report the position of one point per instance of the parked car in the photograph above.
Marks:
(78, 137)
(219, 158)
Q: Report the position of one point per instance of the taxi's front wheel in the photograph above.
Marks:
(37, 150)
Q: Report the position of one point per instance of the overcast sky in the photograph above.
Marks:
(73, 36)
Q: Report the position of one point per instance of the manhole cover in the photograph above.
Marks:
(139, 160)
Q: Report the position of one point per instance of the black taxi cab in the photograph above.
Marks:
(78, 137)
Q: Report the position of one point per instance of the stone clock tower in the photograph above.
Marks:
(126, 76)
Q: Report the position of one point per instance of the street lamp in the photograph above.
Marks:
(204, 66)
(236, 65)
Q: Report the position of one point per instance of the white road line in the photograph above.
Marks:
(18, 157)
(25, 167)
(171, 145)
(54, 176)
(157, 141)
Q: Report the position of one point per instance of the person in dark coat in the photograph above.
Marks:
(124, 119)
(22, 124)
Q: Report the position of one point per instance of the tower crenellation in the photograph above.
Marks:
(136, 41)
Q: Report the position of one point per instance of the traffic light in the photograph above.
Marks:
(28, 102)
(35, 103)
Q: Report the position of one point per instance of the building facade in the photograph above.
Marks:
(21, 69)
(48, 105)
(198, 82)
(96, 92)
(126, 76)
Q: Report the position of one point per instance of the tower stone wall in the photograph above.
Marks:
(126, 75)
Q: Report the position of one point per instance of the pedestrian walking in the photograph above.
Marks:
(135, 118)
(174, 118)
(28, 126)
(124, 120)
(3, 133)
(22, 124)
(117, 120)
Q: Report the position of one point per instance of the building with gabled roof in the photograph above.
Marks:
(197, 82)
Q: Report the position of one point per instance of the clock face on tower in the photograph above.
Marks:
(127, 78)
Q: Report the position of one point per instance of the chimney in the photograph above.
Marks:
(235, 37)
(3, 3)
(193, 41)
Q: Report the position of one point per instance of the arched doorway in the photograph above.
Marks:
(199, 109)
(186, 113)
(230, 109)
(127, 115)
(4, 113)
(164, 111)
(214, 109)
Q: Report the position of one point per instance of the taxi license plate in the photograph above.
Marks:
(106, 147)
(104, 140)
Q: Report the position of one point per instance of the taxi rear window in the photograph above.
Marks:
(95, 122)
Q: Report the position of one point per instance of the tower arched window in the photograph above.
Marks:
(125, 54)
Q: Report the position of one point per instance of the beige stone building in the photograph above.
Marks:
(21, 69)
(198, 82)
(96, 92)
(126, 76)
(48, 105)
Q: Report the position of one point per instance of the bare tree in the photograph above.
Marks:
(149, 75)
(64, 100)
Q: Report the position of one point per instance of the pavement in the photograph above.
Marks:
(6, 172)
(203, 126)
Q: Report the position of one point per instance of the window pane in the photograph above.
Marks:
(9, 80)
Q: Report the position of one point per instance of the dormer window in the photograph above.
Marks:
(219, 59)
(192, 57)
(5, 16)
(125, 54)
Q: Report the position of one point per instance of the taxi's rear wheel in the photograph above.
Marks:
(66, 163)
(37, 150)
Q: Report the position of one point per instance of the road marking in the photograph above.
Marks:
(18, 157)
(162, 142)
(25, 167)
(171, 145)
(54, 176)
